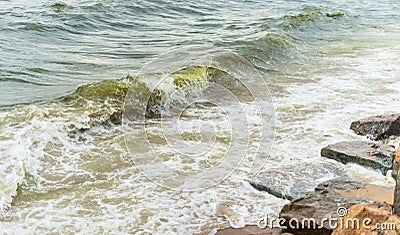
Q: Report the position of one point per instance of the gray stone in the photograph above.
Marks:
(365, 153)
(293, 180)
(378, 127)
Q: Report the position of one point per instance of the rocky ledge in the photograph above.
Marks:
(329, 200)
(380, 221)
(333, 199)
(340, 199)
(365, 153)
(293, 180)
(378, 127)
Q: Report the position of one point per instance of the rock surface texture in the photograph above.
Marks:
(378, 127)
(324, 203)
(368, 219)
(396, 163)
(365, 153)
(294, 180)
(249, 230)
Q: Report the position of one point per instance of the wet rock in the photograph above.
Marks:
(396, 175)
(388, 223)
(319, 206)
(82, 131)
(396, 163)
(378, 127)
(365, 153)
(294, 180)
(115, 119)
(249, 230)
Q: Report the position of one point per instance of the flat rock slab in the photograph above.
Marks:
(365, 153)
(374, 192)
(378, 127)
(322, 204)
(293, 180)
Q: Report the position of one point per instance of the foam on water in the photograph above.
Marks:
(91, 186)
(65, 165)
(111, 187)
(69, 150)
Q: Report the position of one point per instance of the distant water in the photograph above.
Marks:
(63, 161)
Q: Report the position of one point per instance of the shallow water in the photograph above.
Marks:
(326, 64)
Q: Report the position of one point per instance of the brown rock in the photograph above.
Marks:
(372, 192)
(378, 127)
(322, 204)
(249, 230)
(368, 219)
(365, 153)
(396, 163)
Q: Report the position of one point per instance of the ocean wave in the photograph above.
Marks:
(25, 132)
(270, 49)
(29, 131)
(107, 97)
(13, 174)
(311, 17)
(23, 81)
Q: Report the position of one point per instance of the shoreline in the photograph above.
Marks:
(362, 199)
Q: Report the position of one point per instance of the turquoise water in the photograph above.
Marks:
(64, 162)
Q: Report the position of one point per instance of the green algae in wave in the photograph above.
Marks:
(310, 15)
(272, 47)
(116, 90)
(110, 89)
(105, 100)
(191, 76)
(335, 15)
(59, 5)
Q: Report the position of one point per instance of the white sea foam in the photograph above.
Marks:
(90, 185)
